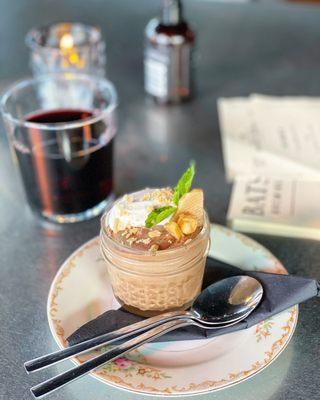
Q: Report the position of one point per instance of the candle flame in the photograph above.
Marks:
(71, 56)
(66, 42)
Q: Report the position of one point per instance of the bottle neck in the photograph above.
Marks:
(171, 12)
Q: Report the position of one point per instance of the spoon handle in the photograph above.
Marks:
(64, 378)
(102, 340)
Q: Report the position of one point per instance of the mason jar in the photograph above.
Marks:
(149, 283)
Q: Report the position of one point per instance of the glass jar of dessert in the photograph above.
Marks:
(155, 244)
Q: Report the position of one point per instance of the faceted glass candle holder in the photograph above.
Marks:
(67, 47)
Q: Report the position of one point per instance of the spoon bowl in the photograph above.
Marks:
(226, 301)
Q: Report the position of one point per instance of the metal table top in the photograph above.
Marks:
(265, 48)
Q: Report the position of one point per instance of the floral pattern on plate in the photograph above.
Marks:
(81, 291)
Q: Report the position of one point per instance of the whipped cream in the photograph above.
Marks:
(132, 210)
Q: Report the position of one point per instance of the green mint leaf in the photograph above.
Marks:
(185, 182)
(158, 215)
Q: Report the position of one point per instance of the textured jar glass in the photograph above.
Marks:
(148, 283)
(66, 47)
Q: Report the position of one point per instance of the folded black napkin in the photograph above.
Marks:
(280, 293)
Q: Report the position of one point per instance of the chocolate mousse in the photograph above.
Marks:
(155, 243)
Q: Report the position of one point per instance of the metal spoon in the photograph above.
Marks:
(225, 301)
(222, 304)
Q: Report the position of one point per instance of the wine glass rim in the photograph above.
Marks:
(33, 44)
(21, 84)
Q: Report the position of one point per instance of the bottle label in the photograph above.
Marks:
(167, 71)
(156, 75)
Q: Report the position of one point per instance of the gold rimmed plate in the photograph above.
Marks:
(81, 291)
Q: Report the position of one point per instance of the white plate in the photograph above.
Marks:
(81, 291)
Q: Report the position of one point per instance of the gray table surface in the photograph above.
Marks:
(264, 48)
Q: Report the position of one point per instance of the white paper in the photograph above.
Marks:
(276, 205)
(270, 136)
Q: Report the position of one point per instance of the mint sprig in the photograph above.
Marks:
(182, 187)
(185, 182)
(158, 215)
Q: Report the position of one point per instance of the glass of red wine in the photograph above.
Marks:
(61, 128)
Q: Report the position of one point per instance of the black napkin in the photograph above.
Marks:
(280, 293)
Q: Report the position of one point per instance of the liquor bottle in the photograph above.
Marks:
(169, 42)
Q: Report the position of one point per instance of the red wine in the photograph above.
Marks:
(67, 171)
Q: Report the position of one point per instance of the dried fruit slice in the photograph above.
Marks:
(191, 204)
(174, 230)
(187, 224)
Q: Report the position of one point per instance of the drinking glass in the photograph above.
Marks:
(66, 47)
(61, 128)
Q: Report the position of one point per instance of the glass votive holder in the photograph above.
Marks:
(67, 47)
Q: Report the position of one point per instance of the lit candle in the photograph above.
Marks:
(71, 57)
(67, 47)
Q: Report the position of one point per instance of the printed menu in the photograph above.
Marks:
(270, 135)
(276, 205)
